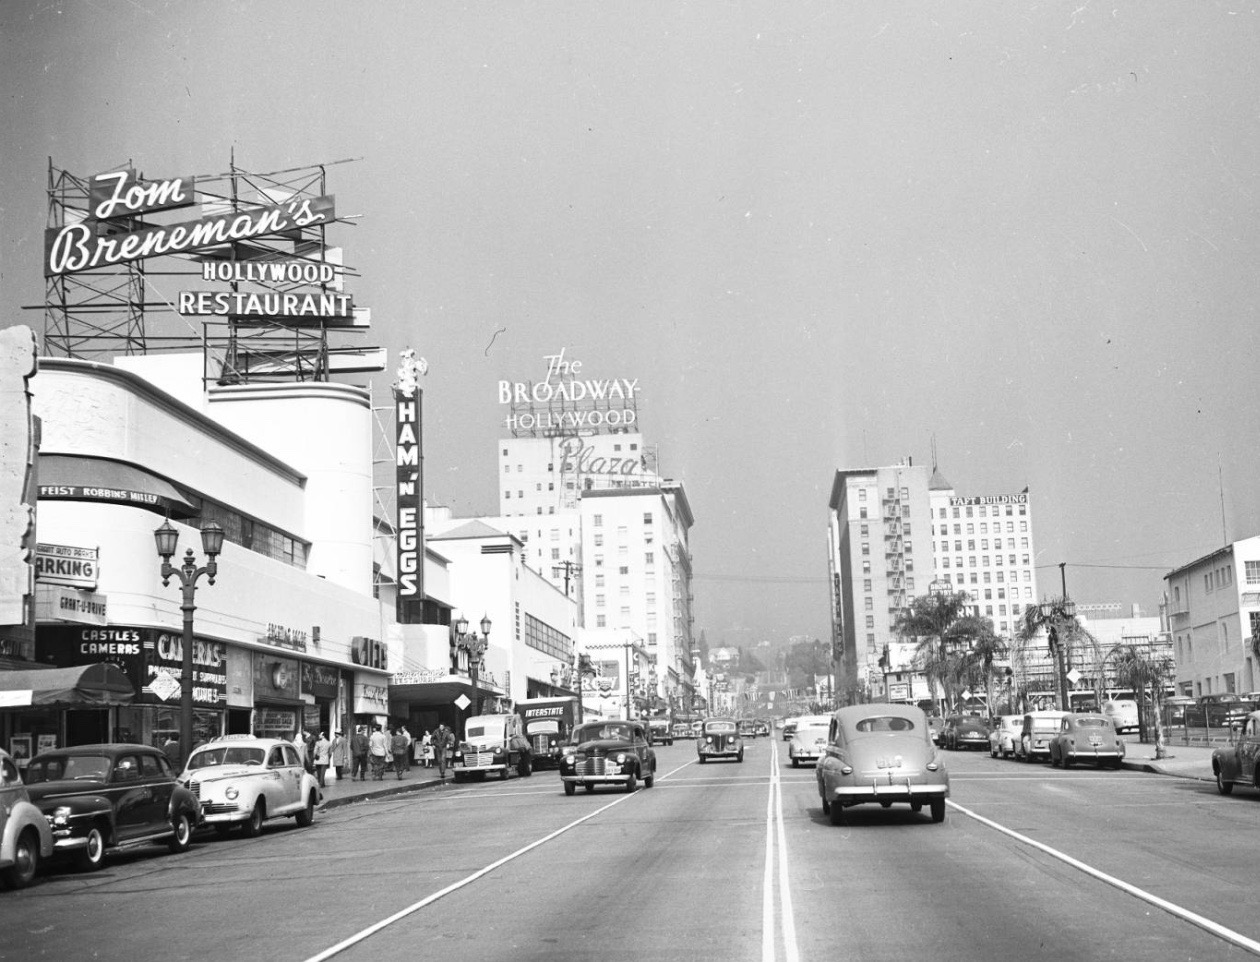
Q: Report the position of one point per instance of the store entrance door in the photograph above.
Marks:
(87, 726)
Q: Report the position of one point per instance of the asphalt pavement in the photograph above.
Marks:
(348, 791)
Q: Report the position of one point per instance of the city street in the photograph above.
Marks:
(721, 861)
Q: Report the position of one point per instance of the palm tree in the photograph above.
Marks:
(1138, 669)
(1074, 639)
(929, 619)
(982, 648)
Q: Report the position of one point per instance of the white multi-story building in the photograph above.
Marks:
(879, 539)
(983, 545)
(1214, 618)
(895, 533)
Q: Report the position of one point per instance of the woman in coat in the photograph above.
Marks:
(340, 754)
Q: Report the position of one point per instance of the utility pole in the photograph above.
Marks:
(571, 568)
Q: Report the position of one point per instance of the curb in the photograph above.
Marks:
(1155, 768)
(404, 789)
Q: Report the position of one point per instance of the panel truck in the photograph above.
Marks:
(548, 724)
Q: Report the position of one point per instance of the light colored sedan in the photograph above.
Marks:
(242, 781)
(1004, 736)
(809, 739)
(25, 837)
(881, 753)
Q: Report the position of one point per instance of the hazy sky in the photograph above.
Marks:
(820, 234)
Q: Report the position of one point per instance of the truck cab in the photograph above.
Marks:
(548, 723)
(493, 743)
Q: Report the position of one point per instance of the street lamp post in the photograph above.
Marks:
(167, 540)
(475, 646)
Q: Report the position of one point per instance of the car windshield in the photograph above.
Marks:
(226, 755)
(545, 726)
(719, 728)
(484, 730)
(591, 733)
(811, 732)
(67, 766)
(885, 723)
(1013, 721)
(1092, 723)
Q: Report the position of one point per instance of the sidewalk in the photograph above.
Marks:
(1183, 761)
(347, 791)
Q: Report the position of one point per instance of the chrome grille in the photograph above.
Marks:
(541, 744)
(218, 808)
(478, 759)
(195, 788)
(593, 766)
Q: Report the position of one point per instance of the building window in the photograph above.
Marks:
(1252, 572)
(598, 520)
(866, 547)
(862, 513)
(623, 570)
(649, 557)
(507, 495)
(599, 601)
(600, 621)
(599, 540)
(870, 621)
(647, 517)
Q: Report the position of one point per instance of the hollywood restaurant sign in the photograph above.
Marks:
(94, 243)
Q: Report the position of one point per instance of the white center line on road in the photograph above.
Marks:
(1214, 928)
(775, 837)
(456, 886)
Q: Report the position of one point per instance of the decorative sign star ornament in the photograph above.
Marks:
(410, 370)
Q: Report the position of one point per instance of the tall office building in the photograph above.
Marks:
(983, 545)
(895, 533)
(879, 536)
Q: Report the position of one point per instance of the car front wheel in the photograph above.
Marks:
(1222, 786)
(307, 815)
(253, 827)
(25, 861)
(632, 783)
(181, 836)
(92, 855)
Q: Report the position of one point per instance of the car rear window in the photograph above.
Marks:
(1046, 724)
(811, 731)
(885, 723)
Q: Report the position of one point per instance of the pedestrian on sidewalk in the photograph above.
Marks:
(378, 751)
(337, 753)
(398, 743)
(359, 746)
(441, 740)
(407, 735)
(426, 749)
(323, 748)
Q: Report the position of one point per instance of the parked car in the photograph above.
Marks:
(809, 741)
(881, 753)
(1225, 709)
(965, 731)
(1176, 709)
(242, 781)
(608, 753)
(661, 731)
(1087, 737)
(720, 738)
(25, 836)
(105, 798)
(936, 726)
(1004, 735)
(1038, 728)
(789, 729)
(1123, 713)
(1239, 763)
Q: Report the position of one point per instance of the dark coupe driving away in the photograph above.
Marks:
(608, 753)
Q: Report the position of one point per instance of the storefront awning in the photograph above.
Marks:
(68, 477)
(86, 685)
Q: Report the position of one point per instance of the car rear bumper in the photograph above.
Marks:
(852, 794)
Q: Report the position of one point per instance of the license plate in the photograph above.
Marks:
(893, 762)
(1095, 741)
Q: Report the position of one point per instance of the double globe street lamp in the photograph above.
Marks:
(167, 539)
(475, 646)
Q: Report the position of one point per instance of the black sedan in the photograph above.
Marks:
(608, 753)
(103, 798)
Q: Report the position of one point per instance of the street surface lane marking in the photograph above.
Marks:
(775, 833)
(1213, 928)
(371, 930)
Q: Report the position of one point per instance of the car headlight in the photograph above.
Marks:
(459, 754)
(621, 758)
(498, 749)
(61, 815)
(231, 793)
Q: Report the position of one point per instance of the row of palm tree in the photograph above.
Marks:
(958, 650)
